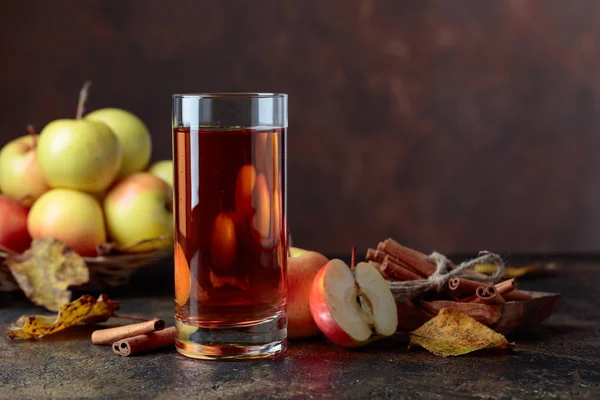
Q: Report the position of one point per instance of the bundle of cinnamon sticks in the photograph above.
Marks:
(399, 263)
(136, 338)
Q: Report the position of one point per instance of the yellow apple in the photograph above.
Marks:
(79, 154)
(302, 267)
(20, 175)
(73, 217)
(164, 170)
(139, 207)
(132, 134)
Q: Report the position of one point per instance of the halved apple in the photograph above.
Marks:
(352, 307)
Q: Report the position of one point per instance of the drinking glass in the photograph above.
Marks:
(229, 152)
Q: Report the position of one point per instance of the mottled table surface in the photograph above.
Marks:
(559, 359)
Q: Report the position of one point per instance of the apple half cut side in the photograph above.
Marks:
(352, 307)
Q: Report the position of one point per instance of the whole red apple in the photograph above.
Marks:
(302, 268)
(13, 229)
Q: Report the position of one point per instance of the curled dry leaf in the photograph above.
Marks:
(85, 309)
(46, 270)
(452, 333)
(143, 246)
(517, 272)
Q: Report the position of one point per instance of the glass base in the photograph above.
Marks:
(263, 340)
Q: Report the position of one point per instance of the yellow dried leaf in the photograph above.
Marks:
(46, 270)
(452, 333)
(85, 309)
(143, 246)
(517, 272)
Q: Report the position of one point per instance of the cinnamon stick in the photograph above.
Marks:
(397, 271)
(111, 335)
(488, 295)
(517, 295)
(509, 290)
(506, 286)
(378, 256)
(415, 259)
(142, 343)
(464, 287)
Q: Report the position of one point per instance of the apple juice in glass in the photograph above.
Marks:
(229, 152)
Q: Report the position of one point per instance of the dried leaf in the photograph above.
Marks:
(85, 309)
(517, 272)
(46, 270)
(143, 246)
(452, 333)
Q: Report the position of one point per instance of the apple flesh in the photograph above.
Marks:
(133, 135)
(13, 229)
(79, 154)
(73, 217)
(20, 174)
(138, 208)
(352, 307)
(302, 267)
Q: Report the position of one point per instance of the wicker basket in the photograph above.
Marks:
(108, 271)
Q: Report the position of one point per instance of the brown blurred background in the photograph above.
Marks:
(448, 125)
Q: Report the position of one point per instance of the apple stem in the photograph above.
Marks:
(23, 199)
(31, 132)
(353, 257)
(287, 243)
(220, 204)
(83, 96)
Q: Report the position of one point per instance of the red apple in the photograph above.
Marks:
(13, 229)
(302, 267)
(352, 307)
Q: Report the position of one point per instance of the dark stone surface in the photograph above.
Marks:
(458, 124)
(559, 359)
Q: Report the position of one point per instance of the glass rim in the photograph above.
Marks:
(231, 95)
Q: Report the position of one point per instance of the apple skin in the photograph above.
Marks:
(132, 134)
(137, 208)
(79, 154)
(164, 170)
(13, 229)
(302, 268)
(20, 174)
(323, 317)
(73, 217)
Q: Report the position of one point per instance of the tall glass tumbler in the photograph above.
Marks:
(231, 244)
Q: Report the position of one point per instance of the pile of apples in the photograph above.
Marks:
(85, 182)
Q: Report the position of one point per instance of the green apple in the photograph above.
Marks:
(73, 217)
(133, 135)
(138, 208)
(302, 267)
(164, 170)
(79, 154)
(20, 175)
